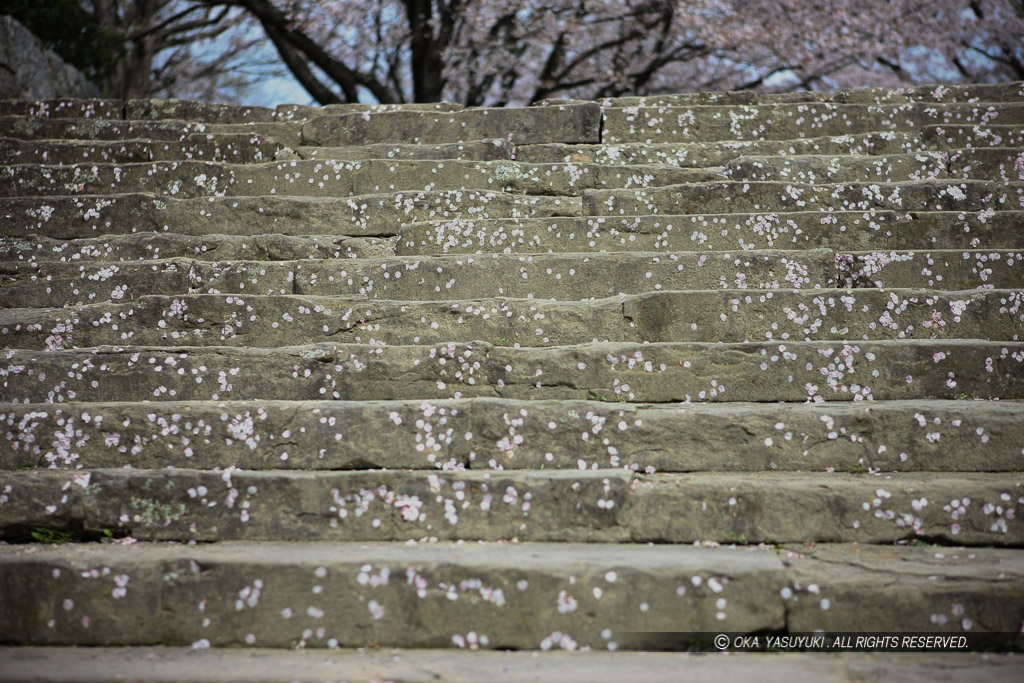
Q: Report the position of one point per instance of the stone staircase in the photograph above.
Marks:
(584, 376)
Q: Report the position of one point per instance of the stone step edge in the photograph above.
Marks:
(980, 314)
(831, 587)
(663, 372)
(902, 435)
(522, 257)
(342, 299)
(167, 664)
(377, 215)
(878, 187)
(651, 224)
(138, 111)
(955, 154)
(602, 219)
(179, 504)
(521, 176)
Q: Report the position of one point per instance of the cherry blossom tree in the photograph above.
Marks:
(506, 52)
(168, 46)
(501, 52)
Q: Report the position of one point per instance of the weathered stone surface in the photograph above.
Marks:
(938, 269)
(824, 168)
(16, 151)
(984, 92)
(92, 128)
(475, 150)
(486, 433)
(175, 665)
(419, 595)
(304, 112)
(839, 230)
(156, 130)
(70, 107)
(33, 285)
(680, 508)
(718, 153)
(564, 277)
(145, 246)
(657, 373)
(669, 316)
(387, 355)
(188, 179)
(68, 217)
(554, 506)
(228, 148)
(655, 124)
(207, 112)
(924, 589)
(63, 108)
(970, 92)
(760, 196)
(992, 163)
(979, 136)
(570, 123)
(29, 70)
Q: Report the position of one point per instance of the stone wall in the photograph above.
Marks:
(30, 71)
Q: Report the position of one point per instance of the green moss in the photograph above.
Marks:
(153, 513)
(45, 534)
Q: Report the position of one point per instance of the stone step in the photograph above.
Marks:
(305, 112)
(825, 168)
(992, 163)
(262, 665)
(242, 147)
(932, 269)
(506, 434)
(490, 589)
(17, 151)
(595, 506)
(836, 585)
(321, 595)
(63, 108)
(705, 123)
(214, 247)
(49, 128)
(188, 110)
(719, 153)
(561, 276)
(234, 148)
(431, 594)
(655, 373)
(209, 112)
(567, 123)
(669, 316)
(779, 196)
(984, 92)
(937, 138)
(71, 217)
(252, 147)
(156, 131)
(333, 179)
(473, 150)
(945, 137)
(564, 277)
(837, 230)
(338, 179)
